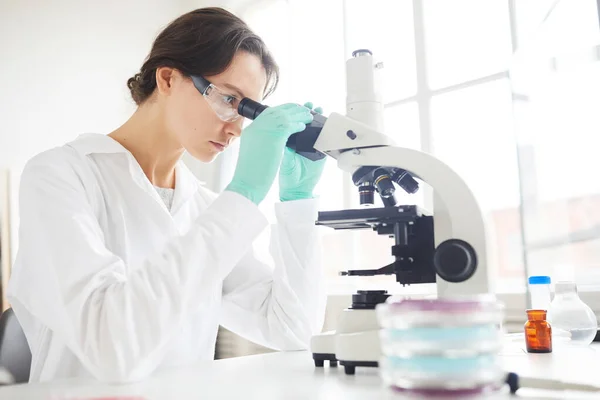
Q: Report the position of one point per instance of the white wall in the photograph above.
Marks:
(64, 66)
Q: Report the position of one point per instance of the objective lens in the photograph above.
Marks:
(406, 181)
(385, 186)
(383, 183)
(366, 192)
(389, 201)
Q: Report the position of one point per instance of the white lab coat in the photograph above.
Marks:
(108, 283)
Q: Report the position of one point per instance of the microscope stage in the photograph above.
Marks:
(369, 218)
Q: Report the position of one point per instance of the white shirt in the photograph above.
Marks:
(166, 195)
(108, 283)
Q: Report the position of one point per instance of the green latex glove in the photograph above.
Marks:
(298, 175)
(261, 149)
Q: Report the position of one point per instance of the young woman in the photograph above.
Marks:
(126, 264)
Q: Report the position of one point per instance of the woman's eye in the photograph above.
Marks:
(229, 99)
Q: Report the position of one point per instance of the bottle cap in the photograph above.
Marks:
(539, 280)
(565, 287)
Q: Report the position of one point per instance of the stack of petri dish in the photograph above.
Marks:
(441, 347)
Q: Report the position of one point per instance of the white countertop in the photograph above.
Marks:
(293, 375)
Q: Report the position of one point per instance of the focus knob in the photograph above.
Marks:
(455, 260)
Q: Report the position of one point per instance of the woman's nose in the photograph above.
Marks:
(234, 128)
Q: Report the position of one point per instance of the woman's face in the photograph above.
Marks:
(190, 119)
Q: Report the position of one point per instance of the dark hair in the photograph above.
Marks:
(201, 42)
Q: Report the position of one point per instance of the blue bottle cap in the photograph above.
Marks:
(539, 280)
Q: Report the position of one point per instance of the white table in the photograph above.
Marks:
(293, 376)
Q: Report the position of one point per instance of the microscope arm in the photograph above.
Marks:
(457, 215)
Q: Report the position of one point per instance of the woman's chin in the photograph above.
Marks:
(204, 156)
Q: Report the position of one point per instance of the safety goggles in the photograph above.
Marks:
(223, 104)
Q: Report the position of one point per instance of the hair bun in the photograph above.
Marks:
(135, 88)
(134, 81)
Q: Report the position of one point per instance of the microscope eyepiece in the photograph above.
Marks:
(301, 142)
(250, 109)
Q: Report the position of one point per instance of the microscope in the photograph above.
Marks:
(447, 248)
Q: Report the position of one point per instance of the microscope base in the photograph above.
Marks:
(350, 366)
(358, 349)
(354, 344)
(320, 359)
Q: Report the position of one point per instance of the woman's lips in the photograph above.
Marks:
(218, 146)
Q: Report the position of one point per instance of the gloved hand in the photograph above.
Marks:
(261, 149)
(298, 175)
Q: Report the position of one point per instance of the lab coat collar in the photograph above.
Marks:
(186, 183)
(90, 143)
(186, 186)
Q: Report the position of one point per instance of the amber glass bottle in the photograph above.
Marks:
(538, 332)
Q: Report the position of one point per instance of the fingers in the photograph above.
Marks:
(288, 163)
(290, 118)
(289, 106)
(304, 117)
(309, 105)
(298, 114)
(295, 127)
(287, 113)
(297, 108)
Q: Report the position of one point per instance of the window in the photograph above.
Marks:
(308, 47)
(556, 119)
(464, 39)
(447, 91)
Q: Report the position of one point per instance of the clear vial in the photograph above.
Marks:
(571, 315)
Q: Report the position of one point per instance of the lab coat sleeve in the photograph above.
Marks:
(280, 305)
(118, 322)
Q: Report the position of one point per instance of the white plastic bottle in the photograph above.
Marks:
(539, 291)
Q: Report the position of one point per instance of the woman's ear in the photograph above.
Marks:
(164, 80)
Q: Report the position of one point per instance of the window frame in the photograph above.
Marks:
(424, 94)
(423, 99)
